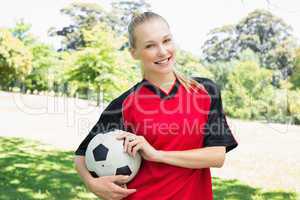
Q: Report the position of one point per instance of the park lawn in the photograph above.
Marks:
(31, 170)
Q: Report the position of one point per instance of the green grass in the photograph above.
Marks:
(30, 170)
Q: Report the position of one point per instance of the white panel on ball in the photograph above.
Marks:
(105, 156)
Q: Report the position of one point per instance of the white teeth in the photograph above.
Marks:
(163, 61)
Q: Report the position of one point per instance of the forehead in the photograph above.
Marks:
(152, 30)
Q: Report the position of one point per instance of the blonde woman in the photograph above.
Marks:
(176, 123)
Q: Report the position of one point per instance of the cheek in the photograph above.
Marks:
(148, 56)
(172, 48)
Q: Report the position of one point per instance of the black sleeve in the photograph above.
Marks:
(110, 119)
(217, 131)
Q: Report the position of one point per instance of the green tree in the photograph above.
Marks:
(189, 65)
(123, 11)
(260, 31)
(44, 59)
(96, 66)
(15, 60)
(295, 78)
(21, 30)
(83, 16)
(44, 62)
(248, 93)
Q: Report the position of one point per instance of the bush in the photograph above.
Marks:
(249, 92)
(294, 105)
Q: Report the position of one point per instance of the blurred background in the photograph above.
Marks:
(62, 61)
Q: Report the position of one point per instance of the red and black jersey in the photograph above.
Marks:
(170, 121)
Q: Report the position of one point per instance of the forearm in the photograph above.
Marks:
(82, 169)
(195, 158)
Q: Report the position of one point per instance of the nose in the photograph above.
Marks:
(162, 50)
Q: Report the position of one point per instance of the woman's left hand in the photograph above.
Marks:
(134, 143)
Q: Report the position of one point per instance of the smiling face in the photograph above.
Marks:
(154, 47)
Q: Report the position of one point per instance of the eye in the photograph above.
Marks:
(167, 40)
(149, 46)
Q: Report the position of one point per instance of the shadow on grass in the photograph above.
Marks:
(235, 190)
(31, 171)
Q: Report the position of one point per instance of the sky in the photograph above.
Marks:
(190, 20)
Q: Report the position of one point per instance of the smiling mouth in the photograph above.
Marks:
(163, 61)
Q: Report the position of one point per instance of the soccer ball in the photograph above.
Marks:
(105, 157)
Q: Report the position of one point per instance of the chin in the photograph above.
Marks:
(164, 70)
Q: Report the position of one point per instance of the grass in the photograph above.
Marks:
(30, 170)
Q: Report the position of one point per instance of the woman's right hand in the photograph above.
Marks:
(108, 187)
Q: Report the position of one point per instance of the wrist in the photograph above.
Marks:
(160, 156)
(89, 181)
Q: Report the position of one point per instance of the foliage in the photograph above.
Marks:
(15, 59)
(21, 30)
(85, 16)
(294, 105)
(248, 92)
(44, 62)
(262, 32)
(189, 65)
(295, 78)
(96, 66)
(123, 11)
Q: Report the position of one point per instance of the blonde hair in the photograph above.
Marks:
(140, 18)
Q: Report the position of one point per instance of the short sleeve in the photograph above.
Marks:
(110, 119)
(216, 130)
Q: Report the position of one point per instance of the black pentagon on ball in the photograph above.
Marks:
(124, 171)
(100, 152)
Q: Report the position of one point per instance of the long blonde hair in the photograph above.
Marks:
(140, 18)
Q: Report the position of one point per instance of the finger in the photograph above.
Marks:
(135, 149)
(123, 185)
(121, 135)
(122, 180)
(117, 178)
(131, 145)
(126, 141)
(122, 191)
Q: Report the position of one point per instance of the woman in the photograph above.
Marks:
(176, 124)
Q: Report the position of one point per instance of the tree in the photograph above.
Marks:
(85, 16)
(21, 30)
(295, 78)
(44, 58)
(15, 60)
(248, 93)
(44, 62)
(189, 65)
(95, 66)
(262, 32)
(123, 10)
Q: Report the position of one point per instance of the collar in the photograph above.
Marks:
(158, 91)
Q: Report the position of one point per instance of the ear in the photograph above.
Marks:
(133, 53)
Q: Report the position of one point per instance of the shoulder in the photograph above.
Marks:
(211, 87)
(116, 104)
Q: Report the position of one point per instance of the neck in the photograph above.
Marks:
(161, 80)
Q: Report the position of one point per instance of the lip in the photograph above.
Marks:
(169, 58)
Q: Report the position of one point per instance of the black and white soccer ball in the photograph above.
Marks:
(105, 157)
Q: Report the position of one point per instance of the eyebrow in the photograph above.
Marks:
(151, 41)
